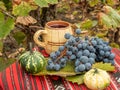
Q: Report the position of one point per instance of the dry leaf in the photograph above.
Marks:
(25, 20)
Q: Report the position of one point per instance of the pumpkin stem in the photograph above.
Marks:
(30, 47)
(95, 71)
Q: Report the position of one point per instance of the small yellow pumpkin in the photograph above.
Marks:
(96, 79)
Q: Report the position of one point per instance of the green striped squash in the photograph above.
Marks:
(32, 62)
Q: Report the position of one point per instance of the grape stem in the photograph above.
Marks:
(61, 55)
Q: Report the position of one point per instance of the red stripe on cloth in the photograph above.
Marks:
(19, 69)
(44, 82)
(8, 78)
(15, 74)
(34, 87)
(1, 83)
(38, 83)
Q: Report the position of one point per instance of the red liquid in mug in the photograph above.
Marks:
(58, 26)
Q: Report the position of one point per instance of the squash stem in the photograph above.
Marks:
(30, 47)
(96, 71)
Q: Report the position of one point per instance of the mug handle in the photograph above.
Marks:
(36, 36)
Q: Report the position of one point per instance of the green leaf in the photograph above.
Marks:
(5, 26)
(110, 2)
(1, 45)
(19, 37)
(75, 79)
(92, 3)
(45, 3)
(41, 3)
(86, 24)
(68, 70)
(2, 5)
(5, 63)
(22, 9)
(104, 66)
(52, 1)
(76, 1)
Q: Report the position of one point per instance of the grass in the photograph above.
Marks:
(4, 64)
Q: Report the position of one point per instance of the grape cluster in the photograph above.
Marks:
(103, 51)
(83, 52)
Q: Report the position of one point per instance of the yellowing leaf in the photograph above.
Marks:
(75, 79)
(104, 66)
(22, 9)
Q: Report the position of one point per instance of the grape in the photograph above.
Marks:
(68, 53)
(84, 59)
(79, 54)
(77, 39)
(57, 53)
(62, 65)
(72, 57)
(107, 53)
(105, 60)
(84, 45)
(57, 67)
(50, 66)
(77, 69)
(78, 31)
(53, 55)
(112, 56)
(106, 48)
(92, 55)
(61, 48)
(86, 53)
(94, 43)
(79, 46)
(112, 62)
(63, 60)
(102, 53)
(88, 66)
(91, 60)
(50, 61)
(67, 36)
(81, 67)
(100, 47)
(74, 49)
(77, 62)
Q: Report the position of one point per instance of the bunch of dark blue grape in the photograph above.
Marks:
(103, 51)
(57, 59)
(82, 52)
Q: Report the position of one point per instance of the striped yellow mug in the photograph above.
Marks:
(53, 35)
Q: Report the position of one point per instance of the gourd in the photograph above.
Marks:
(32, 61)
(96, 79)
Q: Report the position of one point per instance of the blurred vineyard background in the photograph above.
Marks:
(20, 19)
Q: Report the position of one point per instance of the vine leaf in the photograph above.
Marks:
(5, 26)
(2, 5)
(19, 37)
(92, 3)
(104, 66)
(75, 79)
(44, 3)
(22, 9)
(111, 2)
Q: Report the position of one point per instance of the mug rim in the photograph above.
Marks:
(57, 21)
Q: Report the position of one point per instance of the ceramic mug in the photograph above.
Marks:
(53, 35)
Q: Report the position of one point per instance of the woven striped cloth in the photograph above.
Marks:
(15, 78)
